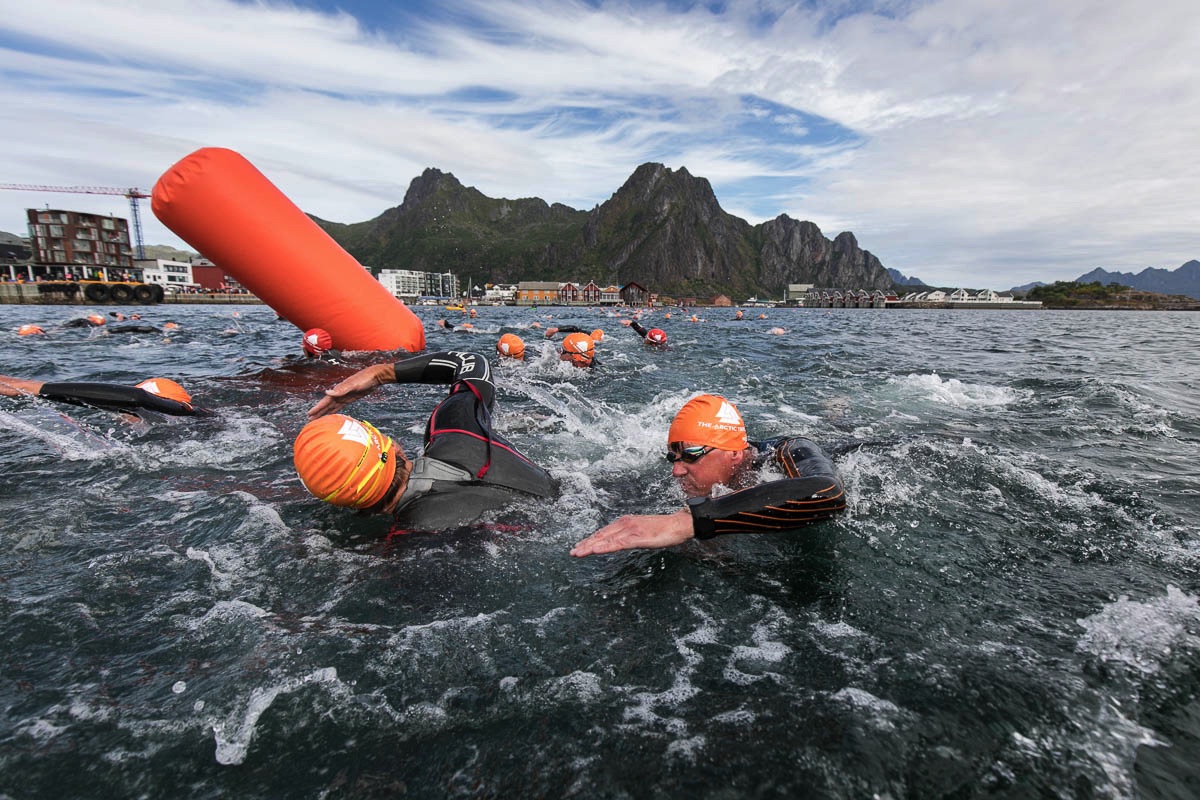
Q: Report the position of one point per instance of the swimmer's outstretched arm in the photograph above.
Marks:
(16, 387)
(448, 367)
(356, 387)
(641, 531)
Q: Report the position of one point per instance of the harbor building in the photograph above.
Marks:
(74, 246)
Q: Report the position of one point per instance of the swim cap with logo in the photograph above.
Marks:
(709, 420)
(511, 345)
(656, 336)
(597, 335)
(167, 388)
(579, 349)
(344, 461)
(29, 330)
(317, 341)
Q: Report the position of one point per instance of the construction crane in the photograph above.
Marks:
(134, 196)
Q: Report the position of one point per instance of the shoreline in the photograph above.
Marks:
(28, 294)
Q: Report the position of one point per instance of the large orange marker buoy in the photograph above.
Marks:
(216, 201)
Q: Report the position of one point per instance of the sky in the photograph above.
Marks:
(975, 143)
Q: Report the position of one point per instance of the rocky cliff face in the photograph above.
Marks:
(663, 228)
(797, 252)
(666, 229)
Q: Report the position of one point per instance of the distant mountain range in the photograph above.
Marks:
(900, 279)
(663, 229)
(1184, 280)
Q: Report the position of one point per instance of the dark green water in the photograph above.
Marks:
(1008, 609)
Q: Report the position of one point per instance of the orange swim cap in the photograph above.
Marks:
(29, 330)
(511, 345)
(344, 461)
(96, 319)
(579, 349)
(317, 341)
(597, 335)
(656, 336)
(166, 388)
(710, 420)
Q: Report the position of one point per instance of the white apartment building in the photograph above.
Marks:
(166, 273)
(410, 284)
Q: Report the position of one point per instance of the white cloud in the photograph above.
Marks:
(985, 143)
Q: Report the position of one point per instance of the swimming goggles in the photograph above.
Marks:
(688, 455)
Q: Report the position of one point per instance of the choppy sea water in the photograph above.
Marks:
(1008, 608)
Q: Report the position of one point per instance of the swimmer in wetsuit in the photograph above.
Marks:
(157, 394)
(578, 346)
(653, 336)
(707, 447)
(464, 470)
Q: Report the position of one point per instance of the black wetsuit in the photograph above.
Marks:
(642, 332)
(465, 468)
(811, 491)
(115, 397)
(132, 328)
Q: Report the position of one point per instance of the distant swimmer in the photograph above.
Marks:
(90, 321)
(463, 327)
(738, 315)
(465, 469)
(132, 328)
(316, 342)
(156, 394)
(652, 336)
(30, 330)
(708, 449)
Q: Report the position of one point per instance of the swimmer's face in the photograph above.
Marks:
(698, 478)
(581, 360)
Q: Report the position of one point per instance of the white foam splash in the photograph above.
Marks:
(68, 438)
(882, 712)
(234, 735)
(956, 393)
(1142, 635)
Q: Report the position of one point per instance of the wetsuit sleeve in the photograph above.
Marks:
(638, 328)
(811, 492)
(113, 397)
(571, 329)
(449, 368)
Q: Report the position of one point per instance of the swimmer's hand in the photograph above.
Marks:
(357, 386)
(643, 531)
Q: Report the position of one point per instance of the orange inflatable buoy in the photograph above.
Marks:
(220, 204)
